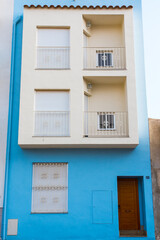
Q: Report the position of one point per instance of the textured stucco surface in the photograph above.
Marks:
(154, 130)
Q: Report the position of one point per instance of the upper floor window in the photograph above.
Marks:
(51, 113)
(53, 48)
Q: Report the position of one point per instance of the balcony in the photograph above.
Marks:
(105, 107)
(51, 124)
(105, 124)
(104, 58)
(53, 57)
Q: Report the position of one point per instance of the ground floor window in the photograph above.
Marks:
(50, 188)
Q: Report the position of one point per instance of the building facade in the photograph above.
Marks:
(154, 133)
(78, 163)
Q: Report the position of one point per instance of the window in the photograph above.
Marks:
(50, 188)
(104, 59)
(53, 48)
(51, 113)
(106, 121)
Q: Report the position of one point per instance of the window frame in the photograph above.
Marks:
(33, 211)
(104, 52)
(98, 121)
(64, 112)
(62, 52)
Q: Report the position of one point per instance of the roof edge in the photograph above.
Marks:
(79, 7)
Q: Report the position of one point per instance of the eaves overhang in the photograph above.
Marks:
(79, 7)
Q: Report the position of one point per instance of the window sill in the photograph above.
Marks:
(52, 68)
(50, 136)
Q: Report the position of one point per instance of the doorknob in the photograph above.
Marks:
(119, 206)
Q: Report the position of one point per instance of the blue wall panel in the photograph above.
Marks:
(102, 207)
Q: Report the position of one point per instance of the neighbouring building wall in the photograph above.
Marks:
(6, 13)
(154, 130)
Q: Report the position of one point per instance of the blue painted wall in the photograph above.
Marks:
(89, 170)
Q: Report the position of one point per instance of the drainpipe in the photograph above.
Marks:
(4, 223)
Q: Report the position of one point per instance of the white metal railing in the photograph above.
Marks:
(53, 57)
(48, 124)
(104, 58)
(105, 124)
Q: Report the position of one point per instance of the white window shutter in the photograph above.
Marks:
(52, 101)
(50, 188)
(50, 37)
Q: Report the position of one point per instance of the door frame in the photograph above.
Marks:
(137, 198)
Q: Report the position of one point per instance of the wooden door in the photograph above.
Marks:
(128, 204)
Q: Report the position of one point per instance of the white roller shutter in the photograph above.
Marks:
(48, 37)
(52, 101)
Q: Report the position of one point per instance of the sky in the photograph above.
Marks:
(151, 31)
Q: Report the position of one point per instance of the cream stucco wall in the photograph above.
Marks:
(107, 97)
(71, 79)
(106, 36)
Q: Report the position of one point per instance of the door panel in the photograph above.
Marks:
(128, 204)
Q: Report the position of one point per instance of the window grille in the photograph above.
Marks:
(104, 59)
(106, 121)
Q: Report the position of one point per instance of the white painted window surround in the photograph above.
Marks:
(51, 113)
(50, 188)
(53, 48)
